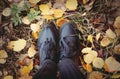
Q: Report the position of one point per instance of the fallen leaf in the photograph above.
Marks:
(89, 68)
(58, 13)
(112, 64)
(25, 20)
(34, 1)
(48, 17)
(3, 54)
(60, 4)
(6, 12)
(19, 45)
(35, 27)
(110, 34)
(105, 41)
(90, 38)
(61, 21)
(117, 49)
(2, 61)
(86, 50)
(84, 1)
(31, 51)
(88, 58)
(71, 4)
(96, 75)
(98, 62)
(8, 77)
(117, 22)
(35, 35)
(98, 36)
(45, 8)
(25, 70)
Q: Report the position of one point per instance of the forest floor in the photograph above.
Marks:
(98, 23)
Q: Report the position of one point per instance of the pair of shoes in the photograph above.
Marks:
(48, 42)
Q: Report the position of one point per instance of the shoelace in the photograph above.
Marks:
(66, 46)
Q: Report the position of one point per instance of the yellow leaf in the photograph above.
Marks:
(45, 8)
(31, 51)
(35, 27)
(110, 34)
(10, 45)
(98, 62)
(71, 4)
(88, 58)
(105, 41)
(90, 38)
(35, 35)
(2, 61)
(96, 75)
(34, 1)
(25, 70)
(112, 64)
(3, 54)
(58, 13)
(8, 77)
(98, 36)
(25, 77)
(86, 50)
(48, 17)
(19, 45)
(6, 12)
(89, 67)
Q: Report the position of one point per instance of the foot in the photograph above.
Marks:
(69, 40)
(47, 43)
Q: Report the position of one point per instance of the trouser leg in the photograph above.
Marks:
(68, 70)
(48, 70)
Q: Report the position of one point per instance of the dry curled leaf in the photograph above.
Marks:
(98, 62)
(110, 34)
(112, 65)
(96, 75)
(6, 12)
(71, 4)
(8, 77)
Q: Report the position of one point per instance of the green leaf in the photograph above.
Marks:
(15, 9)
(33, 15)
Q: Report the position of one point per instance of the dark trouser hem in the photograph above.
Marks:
(68, 70)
